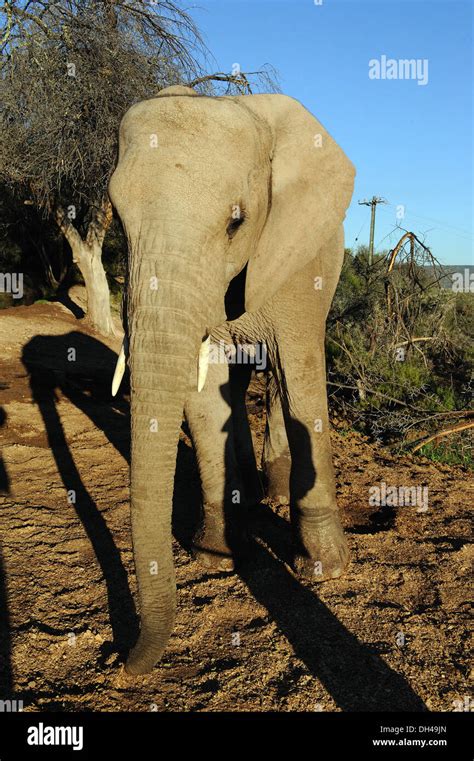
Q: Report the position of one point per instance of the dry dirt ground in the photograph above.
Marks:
(392, 635)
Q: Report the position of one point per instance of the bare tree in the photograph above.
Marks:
(70, 70)
(399, 354)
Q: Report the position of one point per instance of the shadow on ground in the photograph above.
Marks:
(75, 365)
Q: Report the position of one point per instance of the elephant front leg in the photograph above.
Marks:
(276, 461)
(321, 551)
(220, 538)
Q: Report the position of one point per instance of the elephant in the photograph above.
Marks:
(233, 210)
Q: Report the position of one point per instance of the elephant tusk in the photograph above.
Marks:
(120, 367)
(203, 363)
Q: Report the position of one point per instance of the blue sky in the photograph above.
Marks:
(410, 143)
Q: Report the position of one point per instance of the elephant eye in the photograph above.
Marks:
(234, 225)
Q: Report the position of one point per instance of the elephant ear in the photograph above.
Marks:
(311, 187)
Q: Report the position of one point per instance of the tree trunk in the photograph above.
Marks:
(89, 260)
(87, 254)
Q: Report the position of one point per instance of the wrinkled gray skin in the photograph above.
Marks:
(185, 163)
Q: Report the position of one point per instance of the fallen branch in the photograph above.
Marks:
(397, 248)
(445, 432)
(452, 413)
(414, 340)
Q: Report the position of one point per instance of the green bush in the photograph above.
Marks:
(387, 384)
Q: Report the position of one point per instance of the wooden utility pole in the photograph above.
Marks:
(372, 203)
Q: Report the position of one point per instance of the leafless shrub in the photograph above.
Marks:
(398, 344)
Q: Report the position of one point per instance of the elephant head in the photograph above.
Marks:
(205, 187)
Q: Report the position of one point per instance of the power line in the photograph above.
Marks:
(357, 236)
(439, 226)
(388, 235)
(436, 221)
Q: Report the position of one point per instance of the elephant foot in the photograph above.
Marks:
(322, 554)
(214, 561)
(277, 474)
(217, 545)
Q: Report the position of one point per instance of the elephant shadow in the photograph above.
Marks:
(356, 678)
(78, 366)
(4, 477)
(6, 678)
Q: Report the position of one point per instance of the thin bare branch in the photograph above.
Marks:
(441, 434)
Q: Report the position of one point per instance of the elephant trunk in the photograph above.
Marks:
(166, 326)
